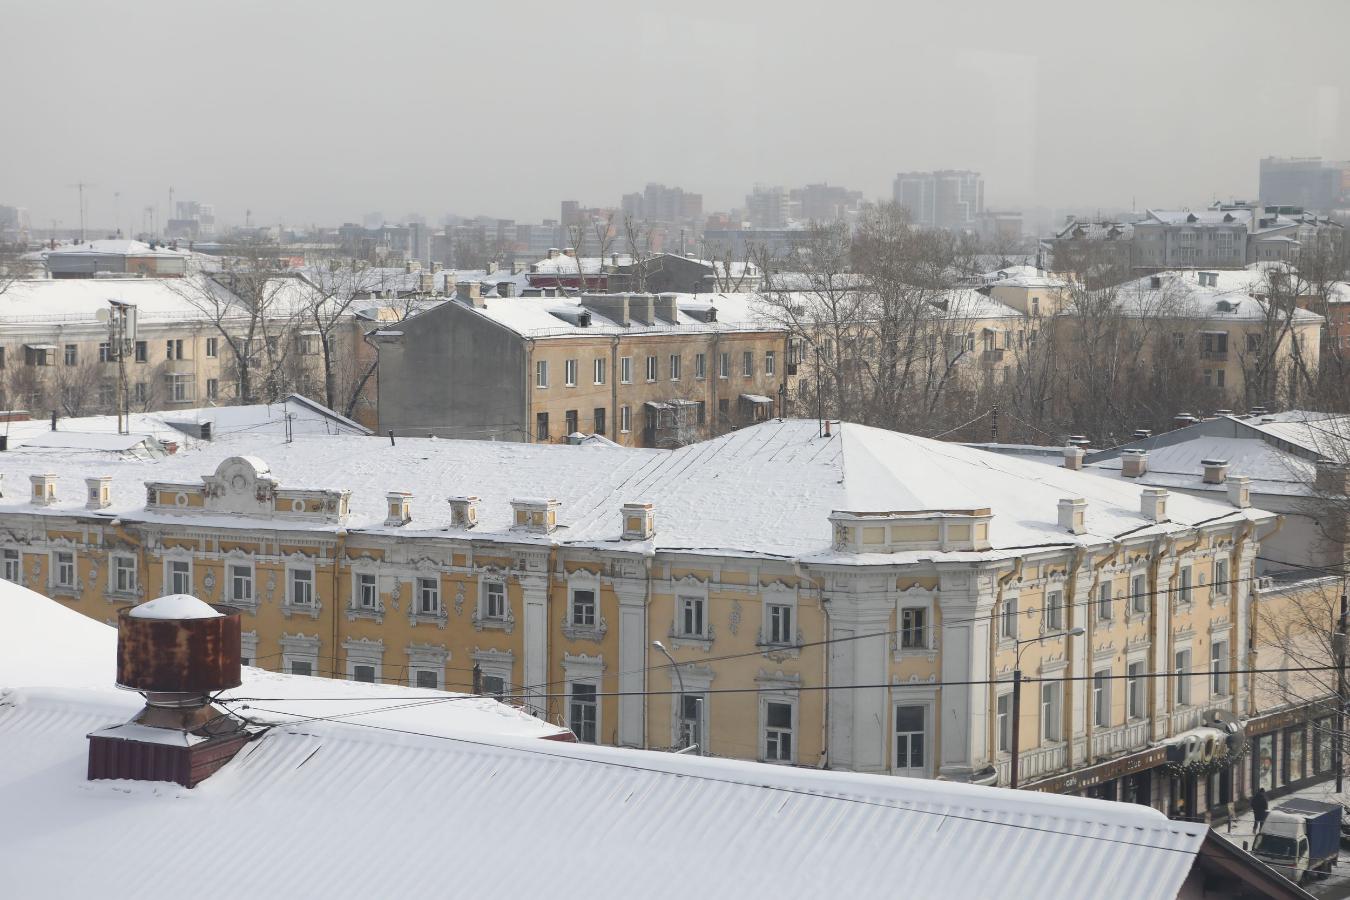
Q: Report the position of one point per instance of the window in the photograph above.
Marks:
(1035, 306)
(541, 373)
(1139, 594)
(598, 418)
(1184, 594)
(626, 369)
(625, 419)
(1003, 717)
(64, 569)
(107, 393)
(494, 600)
(302, 587)
(1008, 626)
(1219, 587)
(674, 367)
(1051, 719)
(1214, 343)
(1054, 610)
(909, 737)
(770, 362)
(105, 352)
(583, 607)
(180, 387)
(299, 667)
(1253, 342)
(1135, 696)
(748, 363)
(72, 354)
(692, 618)
(570, 422)
(212, 347)
(702, 412)
(570, 373)
(541, 426)
(212, 388)
(581, 713)
(700, 366)
(599, 371)
(651, 368)
(1183, 688)
(1104, 601)
(38, 356)
(140, 354)
(778, 732)
(1101, 698)
(913, 628)
(724, 366)
(427, 679)
(180, 576)
(13, 565)
(140, 392)
(780, 624)
(367, 593)
(429, 596)
(361, 672)
(241, 584)
(173, 349)
(494, 686)
(1218, 667)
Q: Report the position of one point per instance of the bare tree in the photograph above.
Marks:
(76, 388)
(15, 264)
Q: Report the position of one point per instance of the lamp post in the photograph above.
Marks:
(684, 735)
(1017, 697)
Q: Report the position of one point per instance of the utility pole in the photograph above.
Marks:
(1016, 727)
(1338, 647)
(81, 185)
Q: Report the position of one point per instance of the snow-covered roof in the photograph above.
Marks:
(115, 247)
(1024, 276)
(766, 490)
(298, 805)
(1180, 294)
(1096, 231)
(1235, 216)
(562, 264)
(558, 316)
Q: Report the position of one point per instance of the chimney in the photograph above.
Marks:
(470, 292)
(1240, 491)
(1153, 504)
(44, 489)
(552, 252)
(100, 492)
(1216, 470)
(426, 282)
(667, 307)
(642, 307)
(639, 522)
(177, 651)
(1073, 515)
(399, 506)
(1134, 463)
(506, 289)
(408, 267)
(436, 267)
(463, 512)
(570, 252)
(534, 514)
(491, 267)
(1142, 434)
(614, 260)
(1073, 457)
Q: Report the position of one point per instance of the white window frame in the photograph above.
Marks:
(569, 373)
(250, 580)
(1183, 662)
(625, 419)
(1220, 586)
(300, 648)
(496, 664)
(684, 604)
(675, 362)
(485, 585)
(1136, 690)
(700, 366)
(1052, 617)
(1052, 711)
(1219, 688)
(1185, 585)
(1138, 594)
(366, 591)
(1008, 625)
(779, 601)
(114, 569)
(171, 585)
(625, 370)
(1104, 605)
(427, 658)
(724, 365)
(56, 571)
(770, 362)
(12, 556)
(747, 364)
(902, 698)
(653, 369)
(311, 601)
(541, 374)
(212, 348)
(598, 367)
(575, 609)
(925, 629)
(1101, 698)
(1003, 722)
(778, 757)
(425, 585)
(364, 652)
(585, 670)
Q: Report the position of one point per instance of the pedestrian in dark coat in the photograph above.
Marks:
(1260, 807)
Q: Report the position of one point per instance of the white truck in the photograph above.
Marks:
(1300, 838)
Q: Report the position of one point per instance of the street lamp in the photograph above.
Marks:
(1017, 696)
(684, 734)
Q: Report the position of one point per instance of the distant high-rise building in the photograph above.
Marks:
(1310, 182)
(826, 202)
(658, 203)
(571, 212)
(767, 207)
(192, 220)
(946, 198)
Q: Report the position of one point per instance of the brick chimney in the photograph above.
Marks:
(1240, 491)
(1153, 504)
(470, 292)
(639, 522)
(1073, 457)
(1134, 463)
(1216, 470)
(177, 651)
(1073, 515)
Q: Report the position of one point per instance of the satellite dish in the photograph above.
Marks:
(102, 315)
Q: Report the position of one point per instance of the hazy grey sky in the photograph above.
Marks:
(318, 111)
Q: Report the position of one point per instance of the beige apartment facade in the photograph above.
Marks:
(810, 617)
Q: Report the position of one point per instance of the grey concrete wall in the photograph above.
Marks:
(454, 375)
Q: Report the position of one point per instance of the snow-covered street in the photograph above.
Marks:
(1337, 884)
